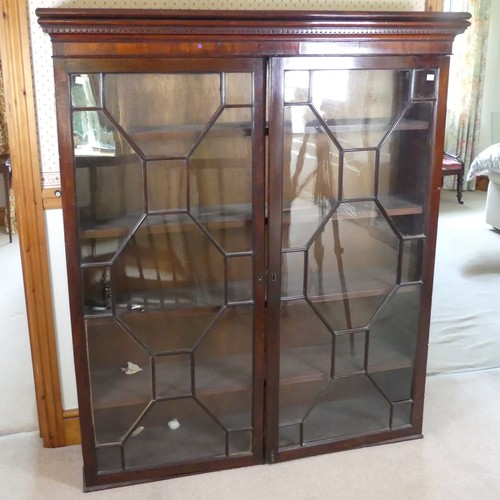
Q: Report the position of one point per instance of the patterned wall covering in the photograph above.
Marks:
(41, 49)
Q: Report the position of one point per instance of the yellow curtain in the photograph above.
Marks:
(4, 141)
(4, 149)
(465, 92)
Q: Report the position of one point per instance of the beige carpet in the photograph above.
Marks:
(458, 459)
(465, 322)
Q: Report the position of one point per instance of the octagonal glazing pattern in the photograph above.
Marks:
(165, 168)
(358, 249)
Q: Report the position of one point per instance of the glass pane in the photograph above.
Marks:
(232, 409)
(240, 442)
(163, 331)
(93, 134)
(171, 264)
(349, 354)
(289, 435)
(359, 106)
(425, 83)
(109, 459)
(349, 311)
(349, 406)
(306, 343)
(112, 424)
(239, 88)
(239, 271)
(221, 180)
(310, 176)
(96, 285)
(413, 254)
(402, 414)
(358, 179)
(405, 164)
(167, 185)
(223, 357)
(109, 189)
(85, 90)
(174, 431)
(172, 375)
(356, 251)
(297, 86)
(393, 341)
(164, 114)
(292, 274)
(119, 366)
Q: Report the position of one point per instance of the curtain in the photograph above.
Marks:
(4, 149)
(4, 141)
(465, 92)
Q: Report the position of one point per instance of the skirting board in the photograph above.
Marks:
(72, 427)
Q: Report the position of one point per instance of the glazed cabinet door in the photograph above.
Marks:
(350, 170)
(167, 220)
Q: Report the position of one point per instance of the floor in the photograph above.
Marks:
(458, 459)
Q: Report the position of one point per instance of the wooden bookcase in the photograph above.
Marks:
(250, 204)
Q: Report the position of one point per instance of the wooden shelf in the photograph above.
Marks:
(298, 365)
(238, 217)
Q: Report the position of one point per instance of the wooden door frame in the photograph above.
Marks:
(15, 53)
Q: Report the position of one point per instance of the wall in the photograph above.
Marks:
(491, 99)
(44, 93)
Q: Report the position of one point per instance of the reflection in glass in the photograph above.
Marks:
(220, 180)
(93, 134)
(310, 173)
(353, 405)
(404, 169)
(223, 357)
(85, 90)
(411, 267)
(240, 442)
(166, 185)
(110, 350)
(109, 458)
(239, 271)
(164, 114)
(357, 250)
(239, 90)
(97, 294)
(109, 191)
(358, 179)
(425, 83)
(172, 375)
(171, 264)
(292, 274)
(174, 431)
(393, 341)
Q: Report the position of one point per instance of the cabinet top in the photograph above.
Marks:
(269, 26)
